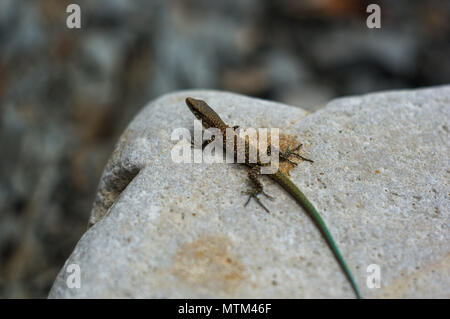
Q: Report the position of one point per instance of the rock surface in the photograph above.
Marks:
(380, 180)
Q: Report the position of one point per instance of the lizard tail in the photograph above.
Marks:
(297, 194)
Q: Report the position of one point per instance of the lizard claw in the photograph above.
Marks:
(267, 195)
(253, 193)
(303, 158)
(285, 155)
(291, 162)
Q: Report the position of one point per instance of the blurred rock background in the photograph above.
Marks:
(67, 94)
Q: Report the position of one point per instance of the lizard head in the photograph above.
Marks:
(204, 113)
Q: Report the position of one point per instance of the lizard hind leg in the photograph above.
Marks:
(253, 174)
(288, 152)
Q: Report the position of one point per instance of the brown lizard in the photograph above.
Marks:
(210, 118)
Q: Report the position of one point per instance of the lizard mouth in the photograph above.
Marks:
(197, 115)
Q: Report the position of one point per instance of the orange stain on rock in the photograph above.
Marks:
(209, 263)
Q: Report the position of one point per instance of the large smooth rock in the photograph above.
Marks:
(380, 179)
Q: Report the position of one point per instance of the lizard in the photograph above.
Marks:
(210, 119)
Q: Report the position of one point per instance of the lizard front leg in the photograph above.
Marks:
(205, 143)
(253, 175)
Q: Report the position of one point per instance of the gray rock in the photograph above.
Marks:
(380, 180)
